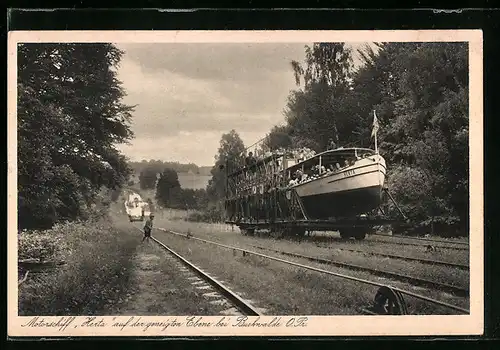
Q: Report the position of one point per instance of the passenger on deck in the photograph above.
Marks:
(250, 160)
(317, 170)
(310, 172)
(331, 144)
(310, 153)
(301, 155)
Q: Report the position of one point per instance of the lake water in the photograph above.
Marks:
(193, 181)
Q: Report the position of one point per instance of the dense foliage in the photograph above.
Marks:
(158, 166)
(168, 188)
(148, 178)
(420, 94)
(170, 194)
(230, 155)
(70, 119)
(97, 259)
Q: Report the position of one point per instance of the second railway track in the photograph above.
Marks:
(458, 291)
(447, 245)
(403, 257)
(422, 239)
(408, 258)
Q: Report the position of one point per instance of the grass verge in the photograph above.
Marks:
(97, 268)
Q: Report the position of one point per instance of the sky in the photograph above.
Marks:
(188, 95)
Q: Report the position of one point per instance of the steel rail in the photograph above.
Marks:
(235, 299)
(414, 280)
(409, 258)
(414, 295)
(420, 239)
(415, 244)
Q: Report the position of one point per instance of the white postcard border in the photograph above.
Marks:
(472, 324)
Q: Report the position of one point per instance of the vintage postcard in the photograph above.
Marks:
(245, 183)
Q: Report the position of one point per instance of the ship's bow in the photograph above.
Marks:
(352, 191)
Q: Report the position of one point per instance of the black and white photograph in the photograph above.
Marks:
(239, 183)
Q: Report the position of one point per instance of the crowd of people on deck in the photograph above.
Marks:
(316, 172)
(302, 154)
(298, 155)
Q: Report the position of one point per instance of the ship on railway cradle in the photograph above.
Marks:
(291, 192)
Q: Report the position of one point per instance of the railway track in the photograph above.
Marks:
(393, 240)
(416, 281)
(409, 258)
(456, 247)
(403, 257)
(421, 239)
(241, 306)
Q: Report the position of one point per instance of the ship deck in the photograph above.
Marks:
(318, 224)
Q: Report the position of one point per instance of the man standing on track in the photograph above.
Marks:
(148, 227)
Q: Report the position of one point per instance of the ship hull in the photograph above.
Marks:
(352, 191)
(342, 204)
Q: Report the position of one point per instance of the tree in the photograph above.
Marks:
(230, 157)
(159, 165)
(420, 94)
(429, 128)
(168, 189)
(70, 119)
(148, 177)
(278, 137)
(201, 199)
(193, 199)
(326, 63)
(314, 113)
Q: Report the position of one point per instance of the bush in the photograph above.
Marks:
(211, 215)
(428, 213)
(98, 265)
(43, 246)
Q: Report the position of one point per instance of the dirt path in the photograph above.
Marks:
(160, 285)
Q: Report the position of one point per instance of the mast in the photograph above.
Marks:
(374, 133)
(374, 130)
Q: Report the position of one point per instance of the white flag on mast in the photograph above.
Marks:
(375, 124)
